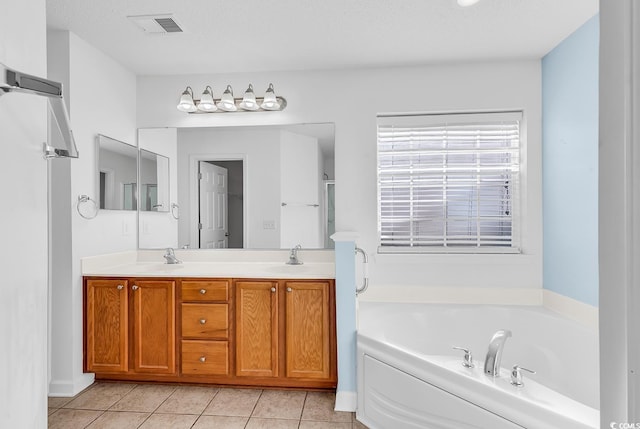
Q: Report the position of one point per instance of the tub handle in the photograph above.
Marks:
(467, 361)
(365, 271)
(516, 375)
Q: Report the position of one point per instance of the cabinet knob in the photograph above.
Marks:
(203, 291)
(134, 287)
(120, 287)
(288, 289)
(203, 359)
(203, 321)
(273, 289)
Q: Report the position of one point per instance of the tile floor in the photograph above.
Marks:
(158, 406)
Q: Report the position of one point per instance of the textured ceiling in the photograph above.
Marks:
(223, 36)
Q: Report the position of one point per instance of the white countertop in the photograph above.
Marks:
(233, 264)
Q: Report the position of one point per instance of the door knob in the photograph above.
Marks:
(120, 287)
(288, 289)
(134, 287)
(203, 359)
(203, 321)
(273, 289)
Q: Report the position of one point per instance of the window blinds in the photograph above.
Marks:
(449, 182)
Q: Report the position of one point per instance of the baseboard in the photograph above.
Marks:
(68, 389)
(346, 401)
(570, 308)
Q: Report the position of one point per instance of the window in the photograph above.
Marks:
(449, 183)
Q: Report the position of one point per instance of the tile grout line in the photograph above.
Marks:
(254, 408)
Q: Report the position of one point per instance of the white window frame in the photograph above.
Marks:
(453, 119)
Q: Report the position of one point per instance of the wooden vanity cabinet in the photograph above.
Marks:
(257, 328)
(308, 329)
(244, 332)
(286, 329)
(205, 327)
(130, 326)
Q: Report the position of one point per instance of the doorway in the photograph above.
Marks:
(221, 204)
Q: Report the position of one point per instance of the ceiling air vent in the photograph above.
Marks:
(157, 24)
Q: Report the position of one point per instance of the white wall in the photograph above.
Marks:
(92, 76)
(160, 229)
(260, 150)
(23, 226)
(330, 96)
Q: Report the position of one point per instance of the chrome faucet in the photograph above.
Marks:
(170, 256)
(293, 256)
(494, 353)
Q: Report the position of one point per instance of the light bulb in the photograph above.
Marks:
(206, 103)
(270, 101)
(186, 101)
(249, 100)
(227, 103)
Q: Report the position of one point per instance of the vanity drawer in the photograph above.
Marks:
(205, 290)
(205, 320)
(205, 357)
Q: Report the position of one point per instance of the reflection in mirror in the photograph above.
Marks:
(154, 182)
(250, 187)
(117, 174)
(258, 187)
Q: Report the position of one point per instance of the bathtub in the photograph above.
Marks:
(410, 377)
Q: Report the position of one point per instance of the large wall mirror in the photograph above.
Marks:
(253, 187)
(117, 174)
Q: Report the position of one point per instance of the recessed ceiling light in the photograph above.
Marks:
(466, 3)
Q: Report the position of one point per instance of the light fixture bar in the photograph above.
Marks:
(227, 103)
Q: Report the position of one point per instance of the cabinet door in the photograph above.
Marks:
(307, 329)
(107, 326)
(257, 328)
(154, 326)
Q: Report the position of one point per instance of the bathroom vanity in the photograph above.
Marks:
(246, 331)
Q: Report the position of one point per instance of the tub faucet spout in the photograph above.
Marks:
(494, 353)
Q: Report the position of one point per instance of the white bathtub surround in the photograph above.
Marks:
(412, 344)
(580, 312)
(453, 295)
(317, 264)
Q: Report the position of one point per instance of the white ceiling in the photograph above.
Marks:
(227, 36)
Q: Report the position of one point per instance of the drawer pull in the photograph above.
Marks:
(203, 321)
(203, 359)
(273, 289)
(134, 287)
(203, 291)
(288, 289)
(120, 287)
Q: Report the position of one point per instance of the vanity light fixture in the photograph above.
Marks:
(206, 103)
(227, 103)
(270, 101)
(186, 103)
(249, 100)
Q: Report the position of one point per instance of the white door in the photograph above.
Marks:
(213, 226)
